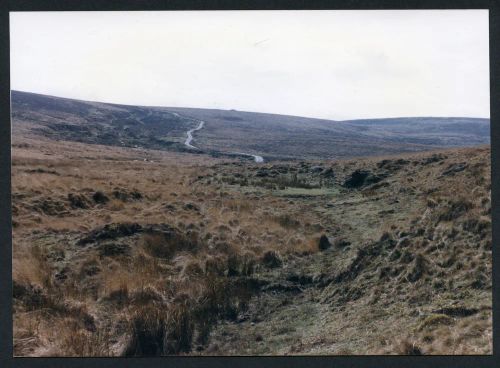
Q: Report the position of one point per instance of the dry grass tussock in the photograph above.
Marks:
(176, 256)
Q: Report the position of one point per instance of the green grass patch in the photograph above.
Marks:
(298, 192)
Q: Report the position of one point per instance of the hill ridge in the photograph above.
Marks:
(269, 135)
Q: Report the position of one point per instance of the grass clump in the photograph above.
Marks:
(158, 331)
(166, 245)
(272, 259)
(454, 209)
(408, 348)
(435, 320)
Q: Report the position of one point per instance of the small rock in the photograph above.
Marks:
(324, 243)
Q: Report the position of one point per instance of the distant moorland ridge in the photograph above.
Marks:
(228, 131)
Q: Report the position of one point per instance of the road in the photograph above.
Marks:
(190, 138)
(256, 157)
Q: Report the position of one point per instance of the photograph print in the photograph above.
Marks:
(251, 183)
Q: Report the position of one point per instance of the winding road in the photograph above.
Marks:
(189, 138)
(257, 158)
(201, 123)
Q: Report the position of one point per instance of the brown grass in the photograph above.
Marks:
(175, 294)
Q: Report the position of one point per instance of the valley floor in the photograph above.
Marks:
(123, 251)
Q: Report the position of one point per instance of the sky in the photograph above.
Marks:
(325, 64)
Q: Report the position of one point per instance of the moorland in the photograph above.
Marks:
(356, 237)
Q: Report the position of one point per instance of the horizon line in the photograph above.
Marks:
(251, 112)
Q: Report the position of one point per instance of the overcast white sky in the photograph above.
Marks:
(326, 64)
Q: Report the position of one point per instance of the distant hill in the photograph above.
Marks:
(227, 131)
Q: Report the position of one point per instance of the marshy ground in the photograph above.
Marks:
(123, 251)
